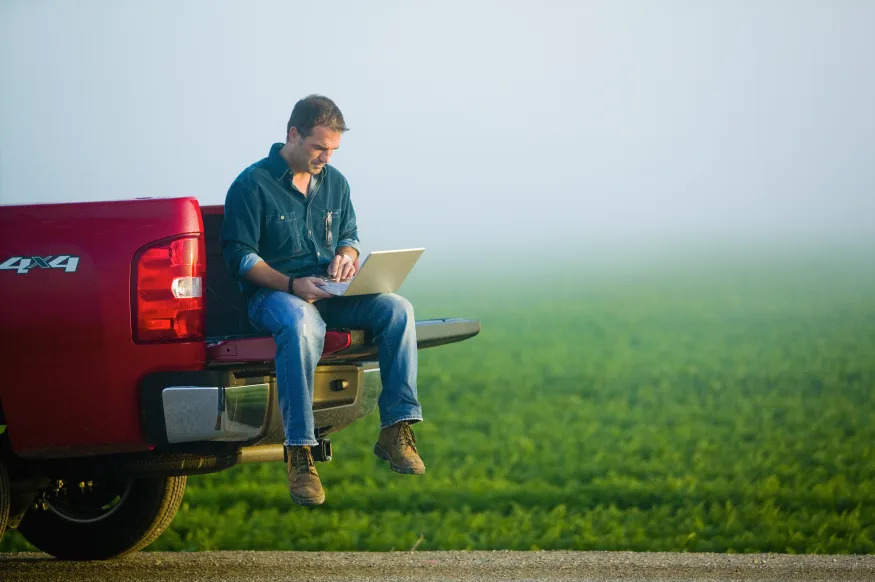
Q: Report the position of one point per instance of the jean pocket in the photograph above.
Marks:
(284, 234)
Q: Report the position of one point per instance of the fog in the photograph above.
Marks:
(547, 129)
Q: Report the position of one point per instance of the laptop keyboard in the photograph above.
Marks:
(334, 287)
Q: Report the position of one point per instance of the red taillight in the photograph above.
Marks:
(169, 295)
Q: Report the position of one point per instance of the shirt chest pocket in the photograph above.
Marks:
(283, 234)
(328, 228)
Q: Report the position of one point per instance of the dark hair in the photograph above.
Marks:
(315, 110)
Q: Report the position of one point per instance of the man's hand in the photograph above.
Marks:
(341, 268)
(307, 289)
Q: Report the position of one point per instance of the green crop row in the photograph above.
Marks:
(710, 410)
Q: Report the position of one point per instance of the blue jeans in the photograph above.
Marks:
(299, 327)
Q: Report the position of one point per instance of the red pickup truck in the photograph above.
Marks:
(130, 363)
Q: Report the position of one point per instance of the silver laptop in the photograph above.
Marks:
(381, 272)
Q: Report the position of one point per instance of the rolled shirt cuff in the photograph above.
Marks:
(247, 262)
(350, 242)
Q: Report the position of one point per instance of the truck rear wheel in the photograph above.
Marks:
(98, 520)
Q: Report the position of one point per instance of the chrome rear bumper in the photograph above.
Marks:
(215, 413)
(218, 406)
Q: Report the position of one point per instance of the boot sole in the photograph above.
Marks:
(378, 450)
(308, 501)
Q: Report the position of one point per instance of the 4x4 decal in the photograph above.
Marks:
(23, 265)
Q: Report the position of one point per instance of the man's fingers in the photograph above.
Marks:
(319, 294)
(312, 292)
(332, 267)
(337, 268)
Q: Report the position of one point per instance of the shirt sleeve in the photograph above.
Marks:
(241, 229)
(247, 262)
(349, 236)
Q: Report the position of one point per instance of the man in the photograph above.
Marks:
(288, 222)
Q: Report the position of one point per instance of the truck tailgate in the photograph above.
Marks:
(340, 345)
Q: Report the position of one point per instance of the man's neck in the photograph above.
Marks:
(300, 179)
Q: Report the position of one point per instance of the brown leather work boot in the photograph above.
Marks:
(397, 445)
(304, 484)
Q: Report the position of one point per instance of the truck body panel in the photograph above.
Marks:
(72, 365)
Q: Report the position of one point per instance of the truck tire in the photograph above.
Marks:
(5, 497)
(95, 521)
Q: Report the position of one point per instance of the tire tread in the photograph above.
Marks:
(135, 525)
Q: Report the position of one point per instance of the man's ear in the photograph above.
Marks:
(292, 135)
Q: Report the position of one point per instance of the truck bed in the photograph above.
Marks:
(341, 346)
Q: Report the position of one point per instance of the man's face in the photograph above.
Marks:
(311, 153)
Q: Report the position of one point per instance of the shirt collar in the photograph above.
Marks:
(280, 171)
(276, 165)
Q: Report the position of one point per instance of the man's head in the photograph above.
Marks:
(313, 133)
(315, 110)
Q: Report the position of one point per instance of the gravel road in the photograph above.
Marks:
(428, 566)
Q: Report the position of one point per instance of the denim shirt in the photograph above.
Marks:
(267, 218)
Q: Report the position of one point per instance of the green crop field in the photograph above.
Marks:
(699, 408)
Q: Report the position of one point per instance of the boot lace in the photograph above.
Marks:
(406, 436)
(302, 460)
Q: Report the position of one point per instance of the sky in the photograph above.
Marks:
(548, 128)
